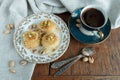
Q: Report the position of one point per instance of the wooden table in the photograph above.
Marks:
(105, 67)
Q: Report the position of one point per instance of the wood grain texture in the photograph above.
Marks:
(78, 78)
(105, 67)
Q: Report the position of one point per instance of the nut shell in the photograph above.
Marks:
(91, 60)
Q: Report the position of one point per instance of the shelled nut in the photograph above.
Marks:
(10, 26)
(12, 70)
(91, 60)
(23, 62)
(78, 20)
(78, 25)
(85, 59)
(7, 31)
(12, 63)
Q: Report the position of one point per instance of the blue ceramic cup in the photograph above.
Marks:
(95, 15)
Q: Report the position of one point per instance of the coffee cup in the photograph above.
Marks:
(93, 18)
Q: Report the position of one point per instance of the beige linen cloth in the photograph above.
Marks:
(13, 11)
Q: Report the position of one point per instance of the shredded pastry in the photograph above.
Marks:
(31, 39)
(45, 35)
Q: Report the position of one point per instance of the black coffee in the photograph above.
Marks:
(93, 17)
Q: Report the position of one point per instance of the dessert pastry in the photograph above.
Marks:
(47, 26)
(31, 39)
(46, 35)
(50, 42)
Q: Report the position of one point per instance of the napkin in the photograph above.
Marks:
(13, 11)
(110, 6)
(59, 6)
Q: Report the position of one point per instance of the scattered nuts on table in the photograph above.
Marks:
(85, 59)
(10, 26)
(6, 31)
(12, 63)
(91, 60)
(78, 25)
(12, 70)
(23, 62)
(78, 20)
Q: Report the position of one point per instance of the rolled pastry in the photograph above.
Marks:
(31, 39)
(50, 42)
(48, 26)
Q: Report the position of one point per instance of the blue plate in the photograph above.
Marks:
(77, 34)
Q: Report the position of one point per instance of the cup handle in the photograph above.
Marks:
(101, 34)
(98, 33)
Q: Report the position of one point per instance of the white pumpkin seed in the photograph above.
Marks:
(91, 60)
(12, 63)
(23, 62)
(85, 59)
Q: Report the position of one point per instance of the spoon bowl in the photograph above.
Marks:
(88, 51)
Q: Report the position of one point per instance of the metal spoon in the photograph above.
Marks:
(85, 52)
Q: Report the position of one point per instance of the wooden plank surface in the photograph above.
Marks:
(78, 78)
(105, 67)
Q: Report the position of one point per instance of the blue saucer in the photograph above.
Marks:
(77, 34)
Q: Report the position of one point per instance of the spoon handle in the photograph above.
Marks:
(64, 68)
(61, 63)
